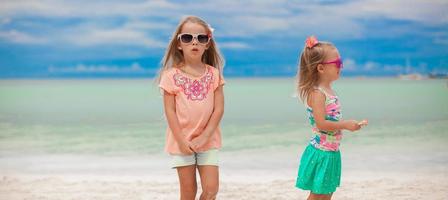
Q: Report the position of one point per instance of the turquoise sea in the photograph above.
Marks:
(120, 117)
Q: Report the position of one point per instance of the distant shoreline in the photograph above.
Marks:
(227, 77)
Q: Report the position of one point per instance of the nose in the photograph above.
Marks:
(195, 41)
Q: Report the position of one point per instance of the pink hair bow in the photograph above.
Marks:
(311, 41)
(211, 30)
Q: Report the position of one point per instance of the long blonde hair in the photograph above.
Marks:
(173, 56)
(307, 74)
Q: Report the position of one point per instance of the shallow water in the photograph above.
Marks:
(126, 116)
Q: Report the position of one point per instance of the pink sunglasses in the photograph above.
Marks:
(338, 63)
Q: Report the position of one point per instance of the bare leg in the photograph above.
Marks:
(313, 196)
(187, 181)
(209, 181)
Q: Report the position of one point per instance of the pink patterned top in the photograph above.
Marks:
(327, 140)
(194, 104)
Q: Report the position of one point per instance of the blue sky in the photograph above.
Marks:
(57, 38)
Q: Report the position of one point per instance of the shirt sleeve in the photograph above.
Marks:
(219, 79)
(167, 82)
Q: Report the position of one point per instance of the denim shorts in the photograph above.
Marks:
(209, 157)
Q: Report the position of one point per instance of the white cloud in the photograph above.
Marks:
(427, 12)
(86, 36)
(254, 25)
(20, 37)
(440, 70)
(349, 64)
(336, 20)
(370, 66)
(5, 20)
(232, 18)
(442, 41)
(134, 31)
(393, 68)
(142, 25)
(83, 8)
(119, 36)
(81, 68)
(233, 45)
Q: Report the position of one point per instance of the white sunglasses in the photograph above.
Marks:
(188, 37)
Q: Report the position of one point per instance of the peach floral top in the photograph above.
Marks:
(194, 98)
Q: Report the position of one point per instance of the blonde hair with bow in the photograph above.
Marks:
(307, 74)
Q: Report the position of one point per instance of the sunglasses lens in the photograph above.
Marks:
(203, 39)
(186, 38)
(340, 64)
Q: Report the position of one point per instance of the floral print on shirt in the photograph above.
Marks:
(327, 140)
(197, 89)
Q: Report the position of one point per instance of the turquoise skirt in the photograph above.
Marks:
(319, 171)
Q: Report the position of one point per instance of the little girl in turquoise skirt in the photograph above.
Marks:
(320, 164)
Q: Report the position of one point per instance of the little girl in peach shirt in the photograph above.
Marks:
(192, 83)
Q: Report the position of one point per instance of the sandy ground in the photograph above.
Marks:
(249, 174)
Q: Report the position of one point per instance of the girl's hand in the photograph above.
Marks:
(185, 148)
(199, 141)
(364, 122)
(351, 125)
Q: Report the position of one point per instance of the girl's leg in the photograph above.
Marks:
(313, 196)
(187, 180)
(209, 181)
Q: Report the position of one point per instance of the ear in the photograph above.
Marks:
(320, 68)
(178, 47)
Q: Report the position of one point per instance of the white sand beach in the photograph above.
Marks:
(248, 174)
